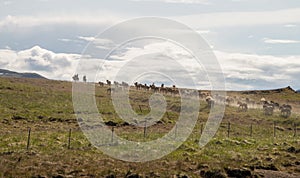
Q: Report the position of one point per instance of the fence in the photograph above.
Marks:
(226, 130)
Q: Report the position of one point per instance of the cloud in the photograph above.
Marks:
(203, 31)
(259, 71)
(21, 21)
(241, 71)
(204, 2)
(279, 41)
(47, 63)
(99, 43)
(251, 18)
(196, 21)
(290, 25)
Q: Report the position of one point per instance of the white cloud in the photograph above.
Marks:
(290, 25)
(203, 31)
(10, 21)
(6, 3)
(98, 42)
(251, 18)
(47, 63)
(279, 41)
(196, 21)
(270, 71)
(205, 2)
(242, 71)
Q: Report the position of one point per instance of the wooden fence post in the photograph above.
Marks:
(140, 108)
(228, 129)
(112, 134)
(28, 138)
(295, 129)
(251, 130)
(175, 130)
(145, 129)
(274, 129)
(168, 115)
(69, 139)
(201, 131)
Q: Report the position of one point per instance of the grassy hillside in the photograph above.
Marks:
(46, 107)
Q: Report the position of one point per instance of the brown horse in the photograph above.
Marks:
(242, 106)
(285, 110)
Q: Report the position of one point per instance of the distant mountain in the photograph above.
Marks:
(298, 91)
(280, 90)
(8, 73)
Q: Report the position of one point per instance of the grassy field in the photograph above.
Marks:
(46, 107)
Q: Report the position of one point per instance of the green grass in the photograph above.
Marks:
(46, 107)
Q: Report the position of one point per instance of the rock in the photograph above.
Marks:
(280, 128)
(133, 176)
(6, 153)
(213, 173)
(53, 119)
(5, 121)
(182, 176)
(236, 172)
(111, 123)
(154, 174)
(18, 118)
(39, 176)
(293, 150)
(203, 166)
(247, 142)
(58, 176)
(218, 142)
(267, 167)
(125, 124)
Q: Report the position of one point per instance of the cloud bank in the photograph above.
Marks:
(241, 71)
(59, 66)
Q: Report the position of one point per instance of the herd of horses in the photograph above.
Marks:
(243, 104)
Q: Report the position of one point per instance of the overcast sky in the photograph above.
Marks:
(257, 42)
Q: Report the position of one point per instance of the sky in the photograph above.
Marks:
(256, 42)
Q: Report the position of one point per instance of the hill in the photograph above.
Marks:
(8, 73)
(256, 145)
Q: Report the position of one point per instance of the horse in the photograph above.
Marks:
(268, 109)
(242, 106)
(108, 82)
(210, 101)
(138, 86)
(101, 84)
(84, 78)
(75, 77)
(154, 88)
(285, 110)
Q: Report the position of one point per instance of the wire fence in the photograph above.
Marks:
(226, 130)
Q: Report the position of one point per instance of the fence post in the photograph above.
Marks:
(251, 130)
(112, 134)
(145, 129)
(168, 115)
(201, 129)
(175, 130)
(274, 129)
(295, 129)
(69, 139)
(228, 129)
(28, 138)
(140, 108)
